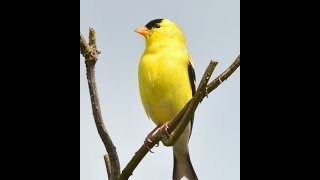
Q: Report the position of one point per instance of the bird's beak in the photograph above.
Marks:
(143, 31)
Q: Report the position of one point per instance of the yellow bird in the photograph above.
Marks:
(167, 83)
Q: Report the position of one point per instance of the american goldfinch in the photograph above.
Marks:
(167, 83)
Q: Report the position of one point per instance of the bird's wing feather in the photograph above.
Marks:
(192, 79)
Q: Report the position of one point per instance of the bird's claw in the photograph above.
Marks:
(146, 141)
(164, 128)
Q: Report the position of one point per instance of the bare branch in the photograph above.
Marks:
(224, 76)
(90, 52)
(92, 38)
(84, 47)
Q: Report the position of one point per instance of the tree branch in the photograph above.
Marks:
(223, 76)
(184, 116)
(90, 52)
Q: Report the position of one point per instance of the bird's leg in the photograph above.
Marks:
(164, 128)
(147, 140)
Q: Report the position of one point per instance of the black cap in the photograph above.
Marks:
(154, 24)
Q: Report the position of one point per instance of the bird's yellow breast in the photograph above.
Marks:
(164, 83)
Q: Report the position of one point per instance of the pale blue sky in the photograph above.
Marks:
(212, 31)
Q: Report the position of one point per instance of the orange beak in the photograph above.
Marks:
(143, 31)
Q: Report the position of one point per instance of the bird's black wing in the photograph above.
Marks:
(192, 79)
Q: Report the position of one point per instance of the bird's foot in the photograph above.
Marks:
(164, 128)
(148, 140)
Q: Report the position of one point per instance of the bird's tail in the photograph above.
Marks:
(183, 168)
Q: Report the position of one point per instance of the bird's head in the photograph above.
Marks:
(161, 30)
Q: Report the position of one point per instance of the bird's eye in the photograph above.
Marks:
(157, 25)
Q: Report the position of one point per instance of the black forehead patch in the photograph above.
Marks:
(153, 23)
